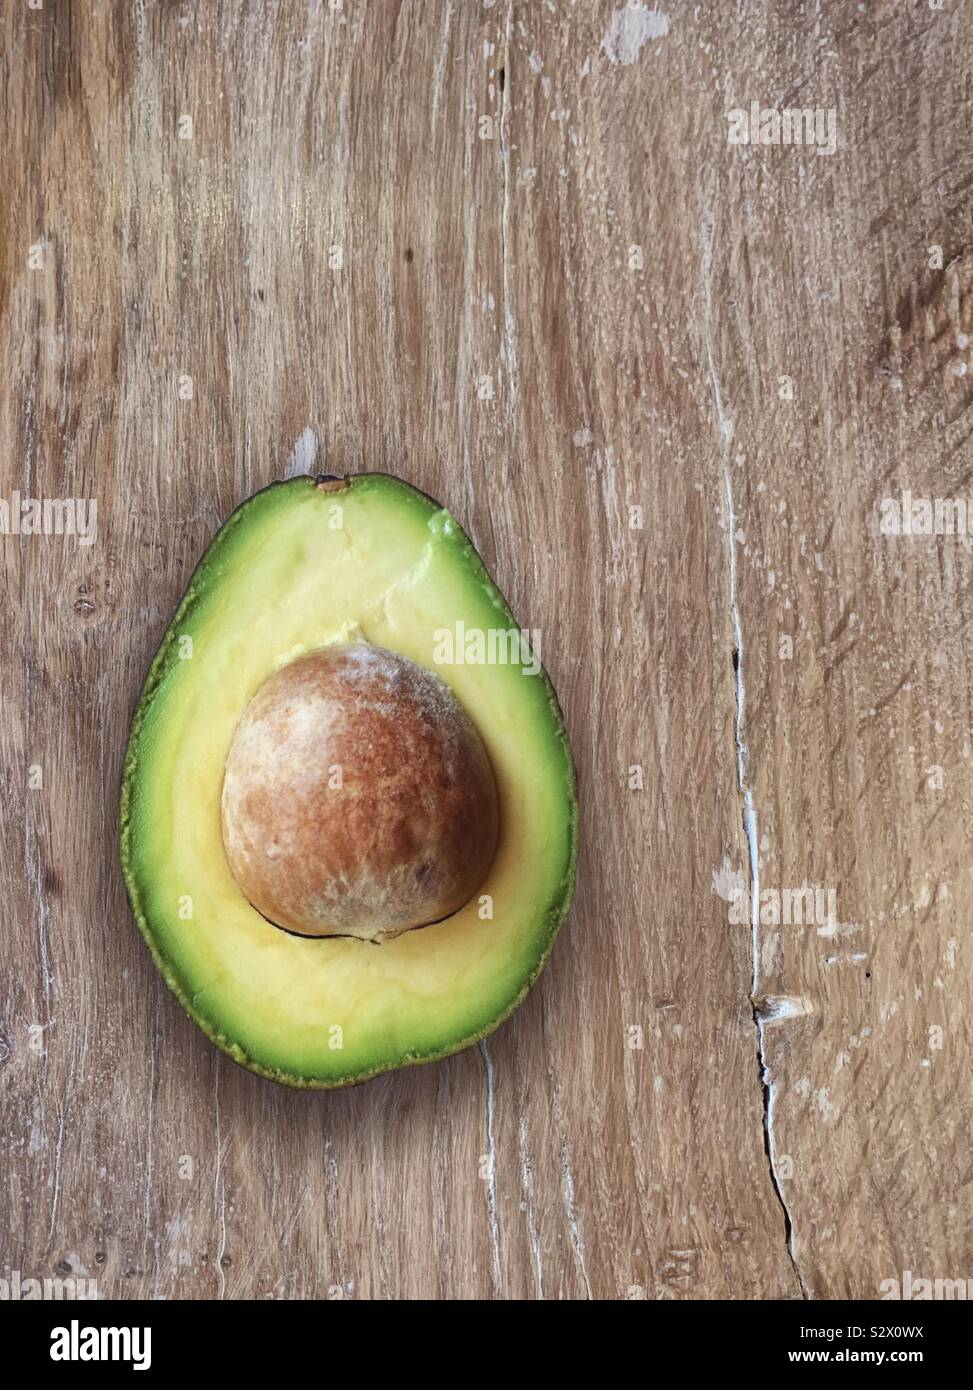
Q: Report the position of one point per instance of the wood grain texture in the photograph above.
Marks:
(506, 251)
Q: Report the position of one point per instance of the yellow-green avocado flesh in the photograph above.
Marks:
(295, 567)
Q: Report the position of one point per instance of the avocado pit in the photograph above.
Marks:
(358, 798)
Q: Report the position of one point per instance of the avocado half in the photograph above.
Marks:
(299, 565)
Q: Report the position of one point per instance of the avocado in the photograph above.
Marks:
(348, 820)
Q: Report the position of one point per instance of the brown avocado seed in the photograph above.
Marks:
(358, 799)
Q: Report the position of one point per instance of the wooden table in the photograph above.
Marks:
(509, 252)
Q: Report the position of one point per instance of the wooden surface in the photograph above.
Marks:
(354, 279)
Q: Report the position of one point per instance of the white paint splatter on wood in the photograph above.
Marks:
(629, 29)
(303, 456)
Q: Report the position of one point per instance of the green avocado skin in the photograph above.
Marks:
(214, 562)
